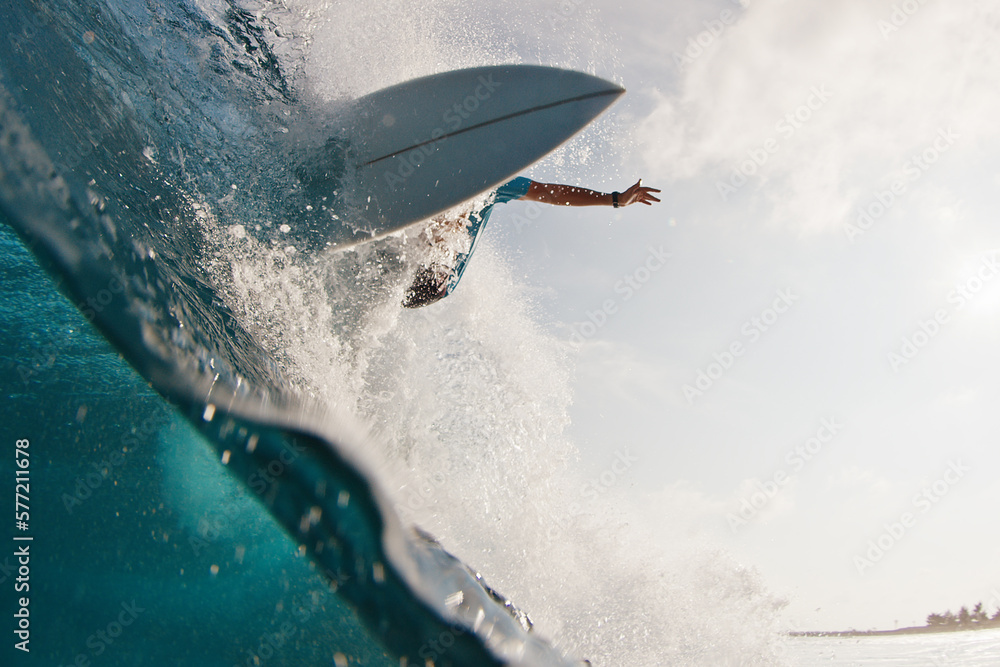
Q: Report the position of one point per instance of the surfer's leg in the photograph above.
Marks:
(446, 224)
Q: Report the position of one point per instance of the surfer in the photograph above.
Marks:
(437, 280)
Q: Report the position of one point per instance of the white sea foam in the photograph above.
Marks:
(469, 401)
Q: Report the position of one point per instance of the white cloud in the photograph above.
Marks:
(889, 94)
(623, 371)
(856, 481)
(684, 509)
(769, 500)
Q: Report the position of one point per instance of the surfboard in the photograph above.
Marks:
(423, 146)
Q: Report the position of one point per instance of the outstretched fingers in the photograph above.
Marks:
(640, 194)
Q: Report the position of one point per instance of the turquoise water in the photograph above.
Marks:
(130, 507)
(118, 120)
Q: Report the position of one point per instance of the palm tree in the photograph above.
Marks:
(935, 619)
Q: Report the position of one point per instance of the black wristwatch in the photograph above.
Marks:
(614, 199)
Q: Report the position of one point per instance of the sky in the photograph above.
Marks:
(798, 344)
(797, 347)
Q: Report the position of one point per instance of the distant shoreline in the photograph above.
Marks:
(919, 630)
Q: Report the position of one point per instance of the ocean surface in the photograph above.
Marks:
(952, 649)
(237, 448)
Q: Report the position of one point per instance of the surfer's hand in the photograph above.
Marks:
(638, 194)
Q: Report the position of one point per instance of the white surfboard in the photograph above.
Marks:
(423, 146)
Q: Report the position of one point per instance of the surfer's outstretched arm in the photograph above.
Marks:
(571, 195)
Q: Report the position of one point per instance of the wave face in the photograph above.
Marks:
(232, 425)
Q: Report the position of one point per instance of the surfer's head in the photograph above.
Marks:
(429, 285)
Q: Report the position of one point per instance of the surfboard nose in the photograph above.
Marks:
(425, 145)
